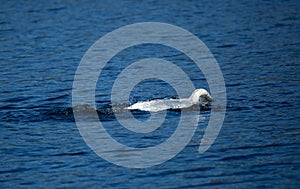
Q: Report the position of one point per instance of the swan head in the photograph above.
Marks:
(200, 96)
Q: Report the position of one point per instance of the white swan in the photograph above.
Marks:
(199, 96)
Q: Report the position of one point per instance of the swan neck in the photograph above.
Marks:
(194, 98)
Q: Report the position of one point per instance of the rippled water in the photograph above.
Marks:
(256, 44)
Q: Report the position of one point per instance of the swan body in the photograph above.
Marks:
(199, 96)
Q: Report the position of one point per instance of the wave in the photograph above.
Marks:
(106, 112)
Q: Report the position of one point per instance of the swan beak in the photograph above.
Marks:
(209, 98)
(206, 99)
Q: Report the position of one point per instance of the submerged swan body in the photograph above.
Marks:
(199, 96)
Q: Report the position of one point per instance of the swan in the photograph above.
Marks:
(199, 96)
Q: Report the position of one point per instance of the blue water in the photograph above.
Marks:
(256, 44)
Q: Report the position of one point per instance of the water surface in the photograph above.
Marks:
(255, 42)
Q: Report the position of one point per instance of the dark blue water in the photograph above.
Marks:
(256, 44)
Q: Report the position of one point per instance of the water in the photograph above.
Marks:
(255, 43)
